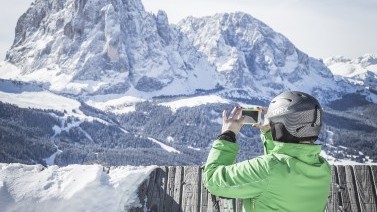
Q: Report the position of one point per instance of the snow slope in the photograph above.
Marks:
(27, 95)
(117, 104)
(164, 146)
(194, 101)
(72, 188)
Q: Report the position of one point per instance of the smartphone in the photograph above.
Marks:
(252, 115)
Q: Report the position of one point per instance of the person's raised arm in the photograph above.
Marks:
(247, 179)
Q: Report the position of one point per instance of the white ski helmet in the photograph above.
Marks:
(294, 116)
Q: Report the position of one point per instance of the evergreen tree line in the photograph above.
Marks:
(25, 134)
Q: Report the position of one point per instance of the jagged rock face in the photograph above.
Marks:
(254, 56)
(102, 47)
(88, 47)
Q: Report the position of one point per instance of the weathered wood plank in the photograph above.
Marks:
(344, 188)
(364, 183)
(159, 190)
(213, 202)
(238, 205)
(354, 198)
(168, 201)
(164, 186)
(191, 189)
(178, 184)
(373, 170)
(226, 205)
(234, 204)
(204, 196)
(334, 198)
(156, 190)
(352, 190)
(211, 207)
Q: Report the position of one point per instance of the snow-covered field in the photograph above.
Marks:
(114, 104)
(43, 100)
(69, 189)
(194, 101)
(26, 95)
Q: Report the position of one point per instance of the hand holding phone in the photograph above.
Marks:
(234, 122)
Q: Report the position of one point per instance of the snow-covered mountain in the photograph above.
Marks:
(101, 47)
(359, 71)
(255, 58)
(116, 48)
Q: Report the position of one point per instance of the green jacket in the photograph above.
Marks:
(289, 177)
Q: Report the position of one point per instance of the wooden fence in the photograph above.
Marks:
(181, 189)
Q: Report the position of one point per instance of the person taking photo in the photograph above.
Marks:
(290, 176)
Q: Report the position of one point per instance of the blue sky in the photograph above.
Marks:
(320, 28)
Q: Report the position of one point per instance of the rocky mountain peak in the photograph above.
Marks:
(100, 47)
(255, 57)
(88, 47)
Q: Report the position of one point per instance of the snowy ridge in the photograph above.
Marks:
(346, 67)
(194, 101)
(117, 105)
(71, 188)
(359, 71)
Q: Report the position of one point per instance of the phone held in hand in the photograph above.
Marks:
(252, 116)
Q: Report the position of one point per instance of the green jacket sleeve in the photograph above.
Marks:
(247, 179)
